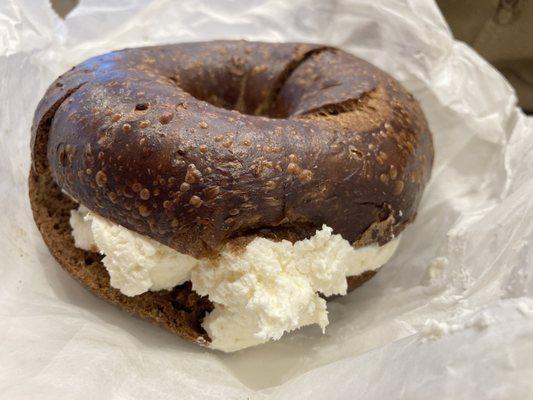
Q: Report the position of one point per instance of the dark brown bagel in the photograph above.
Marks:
(316, 136)
(195, 144)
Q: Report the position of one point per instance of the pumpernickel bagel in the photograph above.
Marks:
(201, 146)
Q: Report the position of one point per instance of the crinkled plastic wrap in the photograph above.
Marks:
(450, 316)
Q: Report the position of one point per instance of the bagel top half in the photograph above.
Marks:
(196, 144)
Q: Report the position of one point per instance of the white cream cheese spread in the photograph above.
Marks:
(259, 292)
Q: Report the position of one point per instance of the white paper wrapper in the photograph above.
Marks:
(450, 316)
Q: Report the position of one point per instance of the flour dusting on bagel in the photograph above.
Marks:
(227, 187)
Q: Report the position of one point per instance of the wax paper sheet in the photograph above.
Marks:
(450, 316)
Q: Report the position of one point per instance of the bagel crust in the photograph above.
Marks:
(197, 144)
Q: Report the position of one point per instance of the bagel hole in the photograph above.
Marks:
(233, 103)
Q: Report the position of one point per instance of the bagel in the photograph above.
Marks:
(204, 147)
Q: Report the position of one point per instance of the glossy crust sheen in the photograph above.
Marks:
(195, 144)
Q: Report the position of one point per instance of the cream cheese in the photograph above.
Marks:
(136, 263)
(260, 292)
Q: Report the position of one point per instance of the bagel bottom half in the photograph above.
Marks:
(180, 310)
